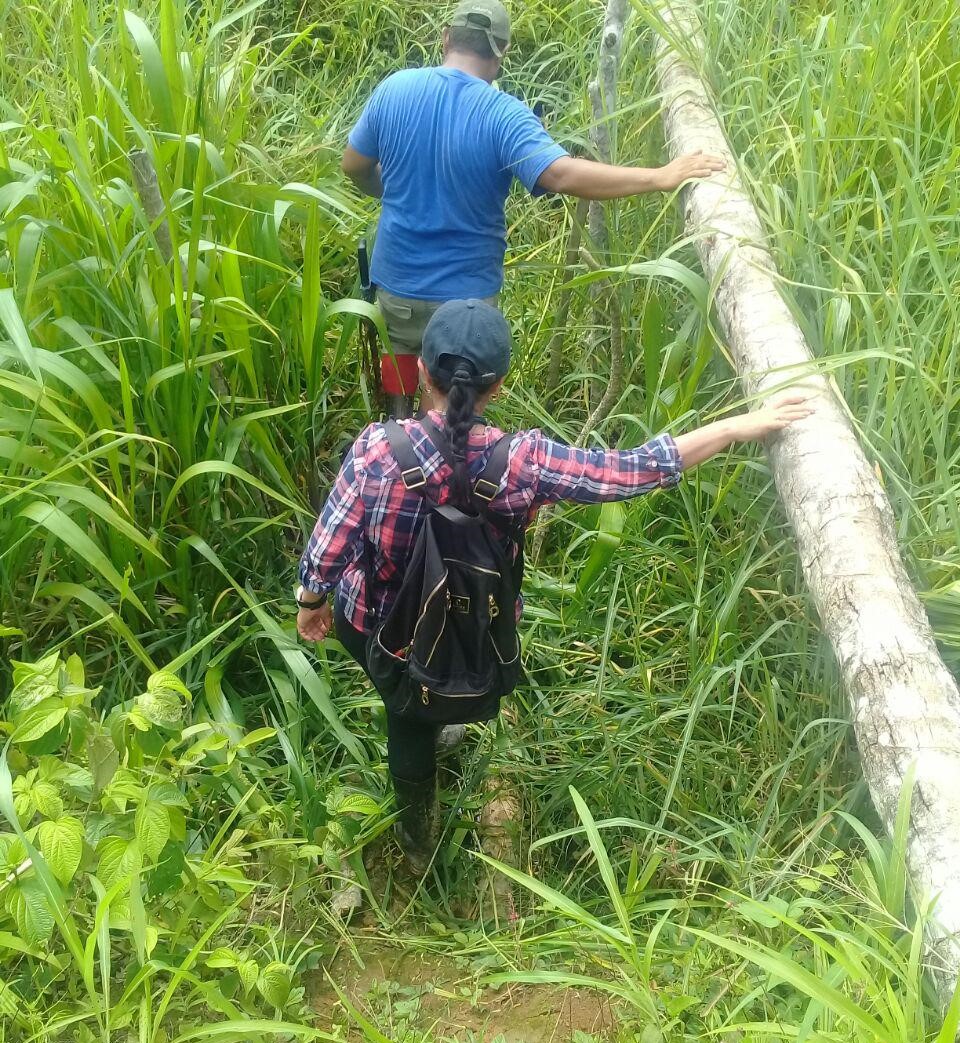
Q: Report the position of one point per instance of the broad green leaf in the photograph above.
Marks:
(166, 793)
(356, 804)
(162, 707)
(73, 378)
(167, 681)
(222, 958)
(249, 972)
(39, 719)
(258, 735)
(31, 911)
(33, 683)
(47, 799)
(337, 832)
(61, 844)
(73, 668)
(11, 1006)
(274, 984)
(15, 944)
(118, 859)
(603, 862)
(152, 828)
(48, 667)
(104, 759)
(609, 537)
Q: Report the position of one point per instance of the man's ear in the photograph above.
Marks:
(445, 41)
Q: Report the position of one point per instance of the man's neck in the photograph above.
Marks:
(472, 65)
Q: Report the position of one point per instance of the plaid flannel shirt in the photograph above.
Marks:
(370, 501)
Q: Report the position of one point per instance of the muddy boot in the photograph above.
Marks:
(449, 737)
(347, 897)
(399, 407)
(501, 825)
(416, 829)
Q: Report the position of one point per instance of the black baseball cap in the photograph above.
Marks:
(467, 331)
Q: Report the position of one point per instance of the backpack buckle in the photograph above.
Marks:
(418, 481)
(487, 496)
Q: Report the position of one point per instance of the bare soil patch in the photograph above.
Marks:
(406, 993)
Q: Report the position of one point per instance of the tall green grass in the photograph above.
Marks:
(169, 426)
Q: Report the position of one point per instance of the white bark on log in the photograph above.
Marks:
(904, 702)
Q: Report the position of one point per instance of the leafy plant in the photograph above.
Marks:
(108, 850)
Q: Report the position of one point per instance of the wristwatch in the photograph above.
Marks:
(298, 596)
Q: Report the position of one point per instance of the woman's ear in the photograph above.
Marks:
(493, 392)
(425, 381)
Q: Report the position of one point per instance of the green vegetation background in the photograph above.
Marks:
(183, 781)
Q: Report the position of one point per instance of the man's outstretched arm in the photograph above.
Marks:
(363, 171)
(586, 179)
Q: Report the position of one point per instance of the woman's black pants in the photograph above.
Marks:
(411, 745)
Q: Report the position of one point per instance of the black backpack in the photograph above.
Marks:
(448, 651)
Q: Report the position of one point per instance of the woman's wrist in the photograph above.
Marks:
(307, 599)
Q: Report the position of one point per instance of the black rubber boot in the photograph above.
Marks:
(416, 828)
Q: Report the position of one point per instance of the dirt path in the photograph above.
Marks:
(407, 995)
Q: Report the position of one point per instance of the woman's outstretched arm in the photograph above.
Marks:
(557, 471)
(698, 446)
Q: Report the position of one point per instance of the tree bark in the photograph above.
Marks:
(606, 303)
(558, 340)
(148, 189)
(904, 702)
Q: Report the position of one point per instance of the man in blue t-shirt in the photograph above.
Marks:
(441, 147)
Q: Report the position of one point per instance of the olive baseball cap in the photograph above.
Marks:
(489, 16)
(471, 331)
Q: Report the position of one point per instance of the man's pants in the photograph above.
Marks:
(406, 318)
(411, 745)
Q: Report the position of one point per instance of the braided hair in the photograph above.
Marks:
(458, 380)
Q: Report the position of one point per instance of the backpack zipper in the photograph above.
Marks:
(468, 565)
(425, 694)
(426, 606)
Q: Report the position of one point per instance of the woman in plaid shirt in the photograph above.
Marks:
(465, 358)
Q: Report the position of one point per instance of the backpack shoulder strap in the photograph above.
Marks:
(487, 485)
(440, 441)
(411, 472)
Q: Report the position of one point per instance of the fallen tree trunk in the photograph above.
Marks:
(904, 702)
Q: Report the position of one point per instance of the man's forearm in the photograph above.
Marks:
(589, 180)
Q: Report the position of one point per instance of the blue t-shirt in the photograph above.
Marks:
(449, 145)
